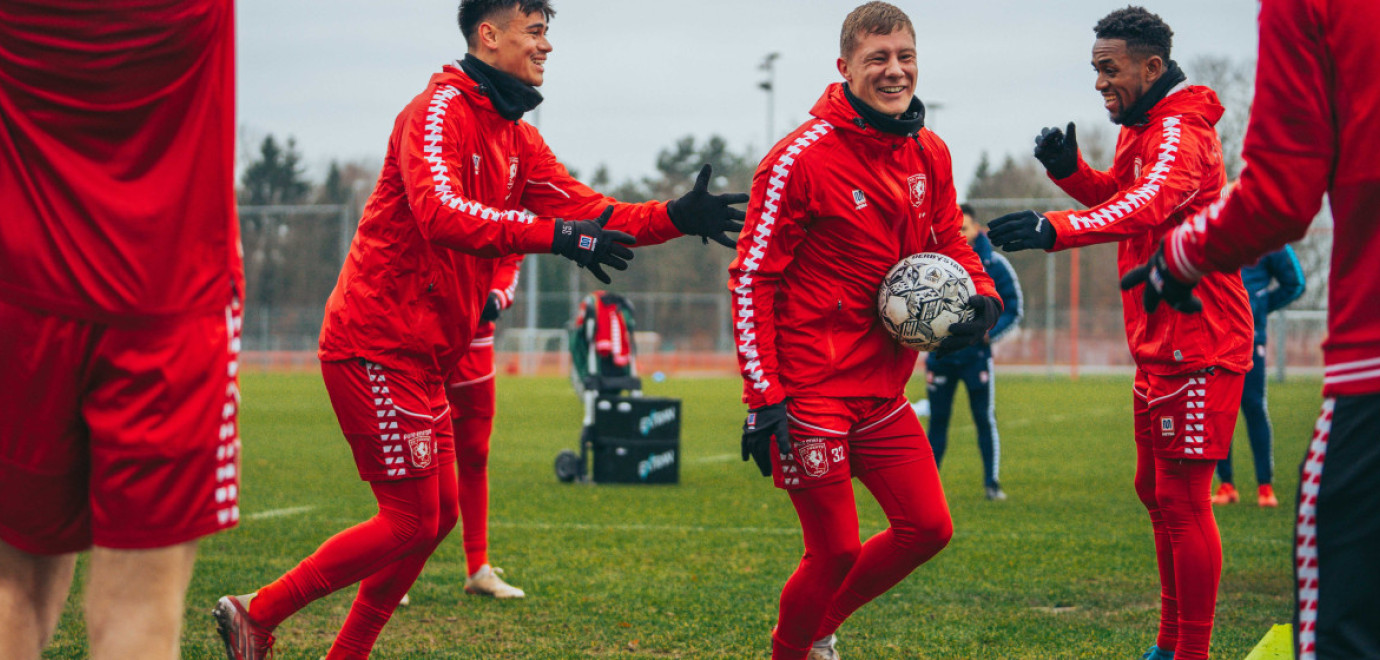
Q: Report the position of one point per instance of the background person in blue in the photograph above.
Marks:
(1282, 268)
(973, 365)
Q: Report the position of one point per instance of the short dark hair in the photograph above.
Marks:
(967, 209)
(871, 18)
(474, 12)
(1145, 33)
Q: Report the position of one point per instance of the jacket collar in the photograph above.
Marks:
(1139, 112)
(511, 98)
(835, 107)
(1186, 99)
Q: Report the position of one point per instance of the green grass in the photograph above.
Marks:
(693, 571)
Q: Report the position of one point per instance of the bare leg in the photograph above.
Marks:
(33, 589)
(134, 601)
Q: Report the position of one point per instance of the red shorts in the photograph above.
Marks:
(470, 386)
(836, 439)
(397, 423)
(122, 436)
(1188, 416)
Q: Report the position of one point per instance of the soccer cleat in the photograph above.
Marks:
(1265, 496)
(1156, 653)
(996, 494)
(823, 649)
(244, 639)
(405, 601)
(1226, 494)
(487, 582)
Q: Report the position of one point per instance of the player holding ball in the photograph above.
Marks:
(1189, 370)
(834, 205)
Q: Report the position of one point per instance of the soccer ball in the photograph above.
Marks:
(921, 296)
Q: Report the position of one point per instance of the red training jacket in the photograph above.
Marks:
(833, 207)
(454, 183)
(1165, 169)
(117, 153)
(476, 366)
(1314, 128)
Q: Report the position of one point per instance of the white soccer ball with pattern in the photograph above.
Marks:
(921, 296)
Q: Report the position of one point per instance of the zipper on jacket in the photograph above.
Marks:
(833, 323)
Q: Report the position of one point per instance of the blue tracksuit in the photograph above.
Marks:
(973, 366)
(1281, 266)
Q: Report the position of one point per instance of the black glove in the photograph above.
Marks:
(588, 244)
(761, 425)
(986, 311)
(1058, 151)
(1022, 230)
(1161, 285)
(698, 213)
(491, 308)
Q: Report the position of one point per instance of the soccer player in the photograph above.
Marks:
(464, 181)
(120, 277)
(834, 206)
(1168, 165)
(470, 391)
(1282, 268)
(973, 366)
(1314, 129)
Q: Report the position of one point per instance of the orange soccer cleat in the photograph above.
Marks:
(1265, 496)
(1226, 494)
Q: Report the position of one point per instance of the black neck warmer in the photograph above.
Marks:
(908, 124)
(1135, 115)
(511, 97)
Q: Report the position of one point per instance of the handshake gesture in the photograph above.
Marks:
(592, 245)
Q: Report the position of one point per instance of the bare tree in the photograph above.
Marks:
(1234, 82)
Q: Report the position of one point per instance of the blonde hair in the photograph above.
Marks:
(871, 18)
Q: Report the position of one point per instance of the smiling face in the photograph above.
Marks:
(1122, 78)
(515, 43)
(881, 71)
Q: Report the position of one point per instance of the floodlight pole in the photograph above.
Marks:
(769, 86)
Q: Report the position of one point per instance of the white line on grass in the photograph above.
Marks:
(643, 528)
(278, 513)
(716, 458)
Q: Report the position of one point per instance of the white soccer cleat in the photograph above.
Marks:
(405, 601)
(823, 649)
(486, 582)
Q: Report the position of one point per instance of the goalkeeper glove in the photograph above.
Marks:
(1160, 284)
(698, 213)
(1058, 151)
(1022, 230)
(588, 244)
(986, 311)
(761, 426)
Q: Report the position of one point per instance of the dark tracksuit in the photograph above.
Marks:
(973, 366)
(1280, 266)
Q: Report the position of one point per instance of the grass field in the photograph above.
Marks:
(1064, 569)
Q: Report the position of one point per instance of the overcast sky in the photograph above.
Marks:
(629, 77)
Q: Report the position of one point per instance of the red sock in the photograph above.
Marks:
(472, 458)
(829, 521)
(379, 593)
(1184, 491)
(913, 500)
(406, 522)
(1168, 637)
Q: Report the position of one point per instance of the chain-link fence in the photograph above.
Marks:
(1072, 306)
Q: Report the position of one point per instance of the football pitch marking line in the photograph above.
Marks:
(716, 458)
(278, 513)
(795, 531)
(593, 527)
